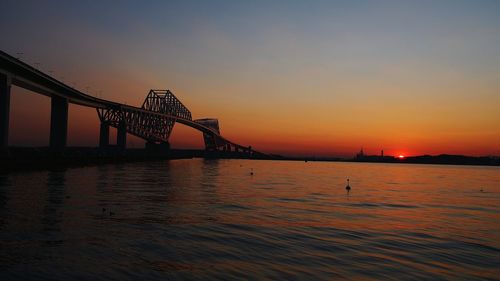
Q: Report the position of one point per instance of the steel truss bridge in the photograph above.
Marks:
(153, 121)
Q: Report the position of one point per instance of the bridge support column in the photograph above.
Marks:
(58, 123)
(4, 111)
(104, 135)
(121, 135)
(161, 148)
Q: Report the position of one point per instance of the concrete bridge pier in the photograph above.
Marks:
(4, 111)
(121, 135)
(58, 123)
(161, 148)
(104, 135)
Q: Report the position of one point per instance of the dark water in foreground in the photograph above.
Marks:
(200, 219)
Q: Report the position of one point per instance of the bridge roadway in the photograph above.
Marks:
(15, 72)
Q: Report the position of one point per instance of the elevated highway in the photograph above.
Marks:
(153, 121)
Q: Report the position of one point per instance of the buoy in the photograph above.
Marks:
(251, 171)
(348, 187)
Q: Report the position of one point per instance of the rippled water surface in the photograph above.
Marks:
(211, 219)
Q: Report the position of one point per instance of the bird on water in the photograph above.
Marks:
(251, 171)
(348, 187)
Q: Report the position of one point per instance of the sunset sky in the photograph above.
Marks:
(320, 78)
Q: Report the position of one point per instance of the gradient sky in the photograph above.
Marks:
(290, 77)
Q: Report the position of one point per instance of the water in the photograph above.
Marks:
(200, 219)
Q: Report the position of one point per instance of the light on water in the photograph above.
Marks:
(215, 219)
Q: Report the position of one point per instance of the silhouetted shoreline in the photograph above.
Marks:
(442, 159)
(24, 158)
(42, 158)
(445, 159)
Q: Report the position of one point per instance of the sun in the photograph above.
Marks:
(401, 156)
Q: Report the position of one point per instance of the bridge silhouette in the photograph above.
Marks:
(153, 121)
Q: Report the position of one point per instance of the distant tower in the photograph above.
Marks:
(360, 154)
(382, 153)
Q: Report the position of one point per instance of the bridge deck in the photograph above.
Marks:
(28, 77)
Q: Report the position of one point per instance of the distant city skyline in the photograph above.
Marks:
(321, 78)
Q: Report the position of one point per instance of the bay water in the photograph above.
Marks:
(199, 219)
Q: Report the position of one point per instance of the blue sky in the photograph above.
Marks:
(250, 61)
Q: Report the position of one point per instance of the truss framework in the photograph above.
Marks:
(153, 122)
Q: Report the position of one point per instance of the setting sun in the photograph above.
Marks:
(401, 156)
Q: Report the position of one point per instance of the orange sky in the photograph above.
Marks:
(316, 79)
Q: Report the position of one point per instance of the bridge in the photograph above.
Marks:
(153, 121)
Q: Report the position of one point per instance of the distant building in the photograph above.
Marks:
(362, 157)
